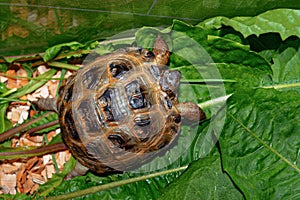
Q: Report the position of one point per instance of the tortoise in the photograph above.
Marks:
(121, 110)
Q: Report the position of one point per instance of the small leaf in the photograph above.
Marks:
(286, 69)
(3, 88)
(3, 67)
(5, 124)
(53, 51)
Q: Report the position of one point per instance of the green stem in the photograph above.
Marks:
(114, 184)
(207, 81)
(62, 65)
(281, 86)
(5, 100)
(9, 92)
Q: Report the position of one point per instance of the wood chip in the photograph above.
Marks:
(31, 97)
(3, 79)
(28, 185)
(11, 82)
(43, 91)
(62, 158)
(34, 188)
(21, 81)
(23, 110)
(35, 138)
(27, 142)
(20, 174)
(31, 163)
(49, 171)
(15, 115)
(37, 178)
(8, 183)
(51, 134)
(8, 168)
(42, 69)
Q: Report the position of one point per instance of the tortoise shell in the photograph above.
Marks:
(121, 110)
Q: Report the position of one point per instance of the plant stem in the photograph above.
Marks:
(62, 65)
(25, 153)
(281, 86)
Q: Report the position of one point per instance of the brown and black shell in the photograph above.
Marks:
(118, 111)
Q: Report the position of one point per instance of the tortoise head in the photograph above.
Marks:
(161, 51)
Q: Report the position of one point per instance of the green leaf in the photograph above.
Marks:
(260, 143)
(53, 51)
(4, 122)
(229, 51)
(203, 179)
(3, 88)
(286, 70)
(283, 21)
(3, 67)
(18, 196)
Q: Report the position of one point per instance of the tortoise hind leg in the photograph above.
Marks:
(191, 112)
(79, 170)
(46, 104)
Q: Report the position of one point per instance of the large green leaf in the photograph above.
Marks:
(260, 143)
(283, 21)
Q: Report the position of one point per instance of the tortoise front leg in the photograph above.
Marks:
(191, 112)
